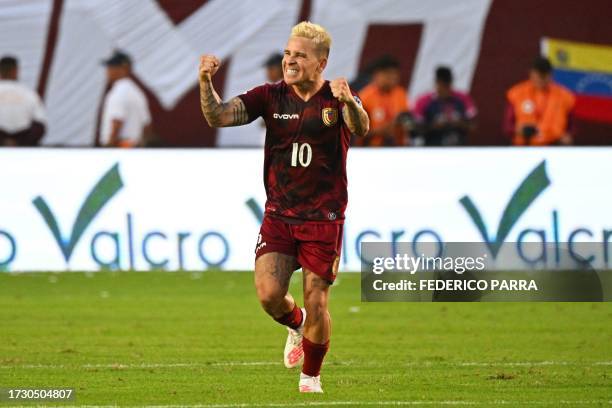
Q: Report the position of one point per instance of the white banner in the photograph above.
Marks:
(197, 209)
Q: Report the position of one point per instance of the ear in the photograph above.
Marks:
(322, 64)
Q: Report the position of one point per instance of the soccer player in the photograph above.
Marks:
(309, 123)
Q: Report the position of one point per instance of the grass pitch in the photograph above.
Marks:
(202, 339)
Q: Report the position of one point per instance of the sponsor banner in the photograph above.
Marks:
(201, 209)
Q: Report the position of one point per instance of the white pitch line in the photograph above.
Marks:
(146, 365)
(333, 364)
(507, 364)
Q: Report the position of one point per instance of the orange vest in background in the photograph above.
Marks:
(383, 108)
(547, 110)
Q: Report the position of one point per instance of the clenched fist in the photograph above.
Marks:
(209, 64)
(341, 90)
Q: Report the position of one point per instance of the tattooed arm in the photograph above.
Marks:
(217, 112)
(353, 113)
(356, 118)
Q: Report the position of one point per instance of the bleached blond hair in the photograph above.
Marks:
(313, 32)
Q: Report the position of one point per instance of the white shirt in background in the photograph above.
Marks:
(125, 102)
(19, 107)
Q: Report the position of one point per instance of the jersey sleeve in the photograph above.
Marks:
(255, 101)
(117, 106)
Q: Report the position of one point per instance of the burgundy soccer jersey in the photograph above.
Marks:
(305, 151)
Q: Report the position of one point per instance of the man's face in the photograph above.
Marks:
(274, 73)
(443, 89)
(301, 61)
(115, 72)
(387, 79)
(538, 79)
(12, 74)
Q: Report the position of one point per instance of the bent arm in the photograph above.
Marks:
(218, 113)
(356, 118)
(114, 139)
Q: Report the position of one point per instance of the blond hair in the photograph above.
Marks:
(313, 32)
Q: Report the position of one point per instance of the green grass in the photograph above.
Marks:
(183, 338)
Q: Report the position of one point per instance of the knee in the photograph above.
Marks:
(269, 298)
(316, 305)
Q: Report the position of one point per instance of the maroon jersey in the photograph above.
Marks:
(305, 152)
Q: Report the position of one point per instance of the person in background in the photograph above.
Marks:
(274, 68)
(539, 111)
(384, 99)
(126, 120)
(274, 73)
(446, 116)
(22, 115)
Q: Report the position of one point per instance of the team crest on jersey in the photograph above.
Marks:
(330, 116)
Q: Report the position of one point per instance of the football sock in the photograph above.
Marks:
(292, 319)
(313, 356)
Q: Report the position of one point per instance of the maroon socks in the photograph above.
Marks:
(313, 356)
(292, 319)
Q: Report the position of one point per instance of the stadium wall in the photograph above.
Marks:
(199, 209)
(489, 44)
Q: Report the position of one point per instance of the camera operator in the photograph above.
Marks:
(539, 111)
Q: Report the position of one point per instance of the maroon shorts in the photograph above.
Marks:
(315, 245)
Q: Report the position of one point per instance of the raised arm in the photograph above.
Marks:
(217, 112)
(354, 115)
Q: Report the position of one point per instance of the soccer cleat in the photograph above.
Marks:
(310, 384)
(294, 353)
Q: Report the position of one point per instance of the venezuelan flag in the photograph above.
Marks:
(586, 69)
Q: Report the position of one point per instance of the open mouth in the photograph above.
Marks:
(291, 71)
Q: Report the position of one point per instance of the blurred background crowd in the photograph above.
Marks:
(480, 73)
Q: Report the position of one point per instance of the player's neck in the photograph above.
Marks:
(307, 90)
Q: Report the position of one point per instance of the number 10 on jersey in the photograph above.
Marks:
(302, 153)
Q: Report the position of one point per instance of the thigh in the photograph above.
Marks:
(316, 290)
(273, 272)
(319, 247)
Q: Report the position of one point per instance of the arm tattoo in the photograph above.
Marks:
(356, 119)
(210, 103)
(240, 116)
(218, 113)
